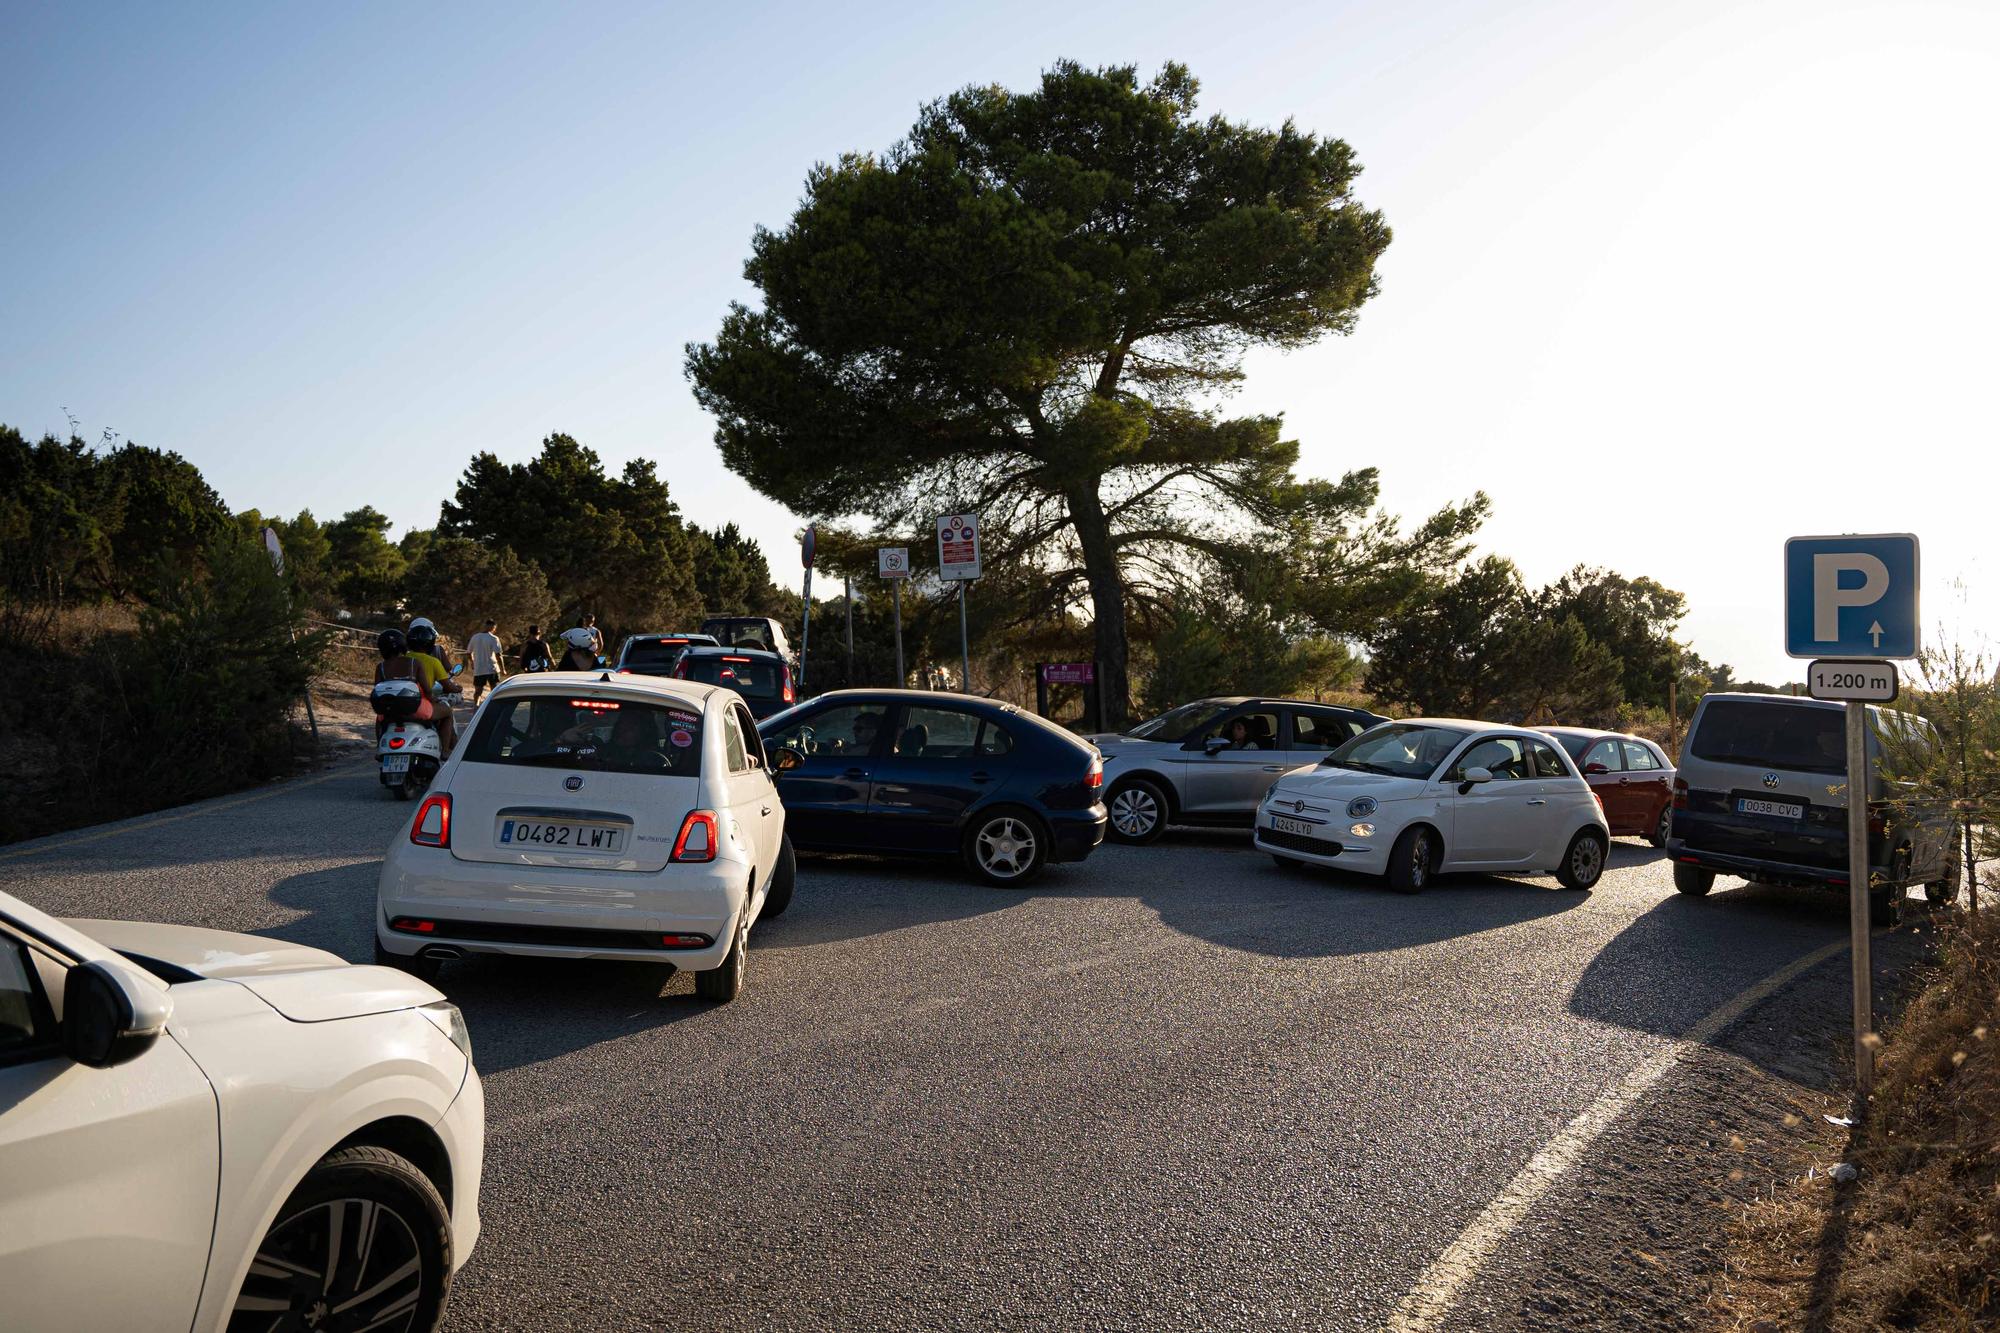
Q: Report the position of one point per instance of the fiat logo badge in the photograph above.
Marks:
(1771, 780)
(1298, 807)
(576, 784)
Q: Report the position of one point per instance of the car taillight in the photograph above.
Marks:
(1095, 778)
(1598, 797)
(787, 679)
(432, 826)
(1680, 794)
(411, 925)
(698, 838)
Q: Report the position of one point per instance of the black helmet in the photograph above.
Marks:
(423, 638)
(391, 643)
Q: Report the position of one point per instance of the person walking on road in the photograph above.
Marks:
(596, 635)
(484, 650)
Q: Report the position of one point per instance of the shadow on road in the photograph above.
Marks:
(850, 897)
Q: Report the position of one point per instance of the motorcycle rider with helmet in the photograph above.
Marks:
(422, 641)
(579, 650)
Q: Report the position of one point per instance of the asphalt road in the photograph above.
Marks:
(1173, 1087)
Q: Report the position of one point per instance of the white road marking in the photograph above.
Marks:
(1435, 1294)
(59, 843)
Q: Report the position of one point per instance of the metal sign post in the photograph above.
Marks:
(893, 564)
(958, 561)
(806, 544)
(1855, 596)
(847, 598)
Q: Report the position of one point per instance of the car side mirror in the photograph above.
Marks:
(784, 759)
(1472, 777)
(1215, 744)
(1592, 769)
(110, 1015)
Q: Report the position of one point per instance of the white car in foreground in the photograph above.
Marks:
(1409, 800)
(592, 815)
(203, 1130)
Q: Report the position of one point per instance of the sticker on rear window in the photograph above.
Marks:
(682, 740)
(684, 719)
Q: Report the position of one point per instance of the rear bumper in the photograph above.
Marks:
(1076, 833)
(1763, 870)
(551, 912)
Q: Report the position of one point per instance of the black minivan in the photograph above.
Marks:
(1762, 793)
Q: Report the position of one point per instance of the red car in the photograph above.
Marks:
(1632, 777)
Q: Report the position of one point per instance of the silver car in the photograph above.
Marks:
(1211, 761)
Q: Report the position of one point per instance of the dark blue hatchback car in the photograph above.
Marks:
(916, 773)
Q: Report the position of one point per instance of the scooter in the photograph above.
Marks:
(409, 754)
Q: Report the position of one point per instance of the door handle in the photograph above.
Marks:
(982, 776)
(1536, 800)
(1623, 781)
(855, 773)
(1275, 768)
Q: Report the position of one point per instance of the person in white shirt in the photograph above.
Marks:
(484, 651)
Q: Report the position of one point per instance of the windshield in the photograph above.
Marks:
(654, 652)
(1403, 750)
(1181, 723)
(752, 677)
(751, 632)
(1762, 734)
(588, 735)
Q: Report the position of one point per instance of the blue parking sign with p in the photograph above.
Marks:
(1851, 596)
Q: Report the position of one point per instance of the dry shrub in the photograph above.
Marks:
(1915, 1241)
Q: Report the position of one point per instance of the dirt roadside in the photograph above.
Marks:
(1637, 1237)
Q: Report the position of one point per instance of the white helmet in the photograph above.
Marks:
(423, 622)
(579, 638)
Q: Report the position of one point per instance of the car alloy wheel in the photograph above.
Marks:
(1420, 862)
(1666, 827)
(1134, 812)
(361, 1255)
(1583, 863)
(1006, 848)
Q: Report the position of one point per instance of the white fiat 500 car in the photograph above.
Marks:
(592, 815)
(1408, 800)
(203, 1130)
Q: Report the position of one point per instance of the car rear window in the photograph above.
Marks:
(745, 633)
(1762, 734)
(654, 652)
(588, 735)
(752, 677)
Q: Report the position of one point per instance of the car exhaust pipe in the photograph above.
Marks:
(444, 953)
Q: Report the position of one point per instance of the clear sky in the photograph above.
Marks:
(1671, 281)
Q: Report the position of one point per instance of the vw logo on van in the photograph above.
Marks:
(576, 784)
(1770, 780)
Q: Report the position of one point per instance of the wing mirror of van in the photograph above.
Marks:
(110, 1015)
(1472, 777)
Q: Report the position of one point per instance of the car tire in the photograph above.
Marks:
(423, 969)
(1413, 860)
(1005, 846)
(779, 895)
(1885, 910)
(720, 985)
(1693, 880)
(1583, 860)
(407, 1225)
(1144, 806)
(1658, 837)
